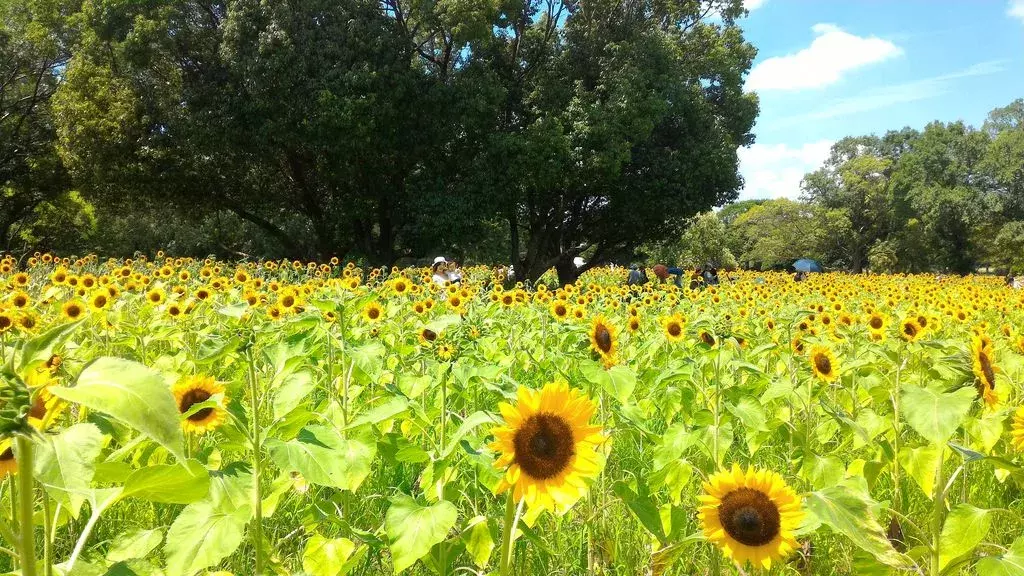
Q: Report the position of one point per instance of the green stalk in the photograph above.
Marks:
(257, 467)
(26, 501)
(47, 541)
(938, 509)
(507, 537)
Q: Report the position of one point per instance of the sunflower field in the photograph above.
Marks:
(177, 416)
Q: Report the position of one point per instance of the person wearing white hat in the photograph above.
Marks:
(440, 274)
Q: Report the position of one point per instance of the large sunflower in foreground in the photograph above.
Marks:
(751, 516)
(824, 364)
(1017, 430)
(547, 447)
(196, 390)
(603, 339)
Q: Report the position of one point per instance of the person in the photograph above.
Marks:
(440, 272)
(634, 278)
(800, 276)
(662, 272)
(697, 279)
(710, 275)
(454, 272)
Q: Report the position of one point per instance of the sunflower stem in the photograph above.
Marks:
(507, 537)
(26, 504)
(938, 507)
(47, 540)
(257, 466)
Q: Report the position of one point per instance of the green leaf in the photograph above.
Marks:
(750, 413)
(479, 540)
(822, 471)
(1009, 564)
(413, 529)
(134, 544)
(131, 393)
(849, 512)
(645, 510)
(66, 463)
(326, 458)
(621, 382)
(468, 425)
(291, 392)
(327, 556)
(203, 535)
(40, 348)
(920, 463)
(169, 483)
(965, 528)
(933, 414)
(393, 407)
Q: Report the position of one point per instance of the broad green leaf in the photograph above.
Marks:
(169, 483)
(920, 463)
(326, 458)
(849, 513)
(291, 392)
(621, 382)
(413, 529)
(134, 544)
(750, 413)
(66, 463)
(202, 535)
(40, 348)
(965, 528)
(131, 393)
(1009, 564)
(326, 556)
(676, 440)
(822, 471)
(468, 425)
(933, 414)
(393, 407)
(645, 510)
(479, 540)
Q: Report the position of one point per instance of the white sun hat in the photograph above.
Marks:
(440, 260)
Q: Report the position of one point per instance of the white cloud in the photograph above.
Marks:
(885, 96)
(832, 54)
(1016, 9)
(775, 170)
(753, 4)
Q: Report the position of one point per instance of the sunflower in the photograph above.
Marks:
(427, 336)
(547, 447)
(751, 516)
(603, 339)
(8, 465)
(673, 327)
(559, 309)
(20, 299)
(984, 371)
(797, 345)
(707, 338)
(445, 352)
(634, 324)
(824, 364)
(1017, 430)
(73, 309)
(195, 390)
(910, 330)
(373, 312)
(7, 320)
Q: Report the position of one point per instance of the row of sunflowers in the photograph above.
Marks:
(182, 416)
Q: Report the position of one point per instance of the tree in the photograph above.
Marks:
(705, 240)
(776, 233)
(32, 50)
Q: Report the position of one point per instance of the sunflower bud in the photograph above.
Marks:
(15, 403)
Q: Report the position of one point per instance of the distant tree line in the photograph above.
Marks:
(522, 131)
(948, 198)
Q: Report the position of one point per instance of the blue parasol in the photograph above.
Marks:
(807, 265)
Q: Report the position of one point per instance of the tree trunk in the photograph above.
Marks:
(567, 271)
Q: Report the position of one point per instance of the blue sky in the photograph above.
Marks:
(832, 68)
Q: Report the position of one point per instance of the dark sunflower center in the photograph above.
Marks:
(195, 396)
(544, 446)
(986, 369)
(674, 329)
(749, 516)
(922, 321)
(374, 313)
(38, 409)
(909, 329)
(429, 335)
(603, 338)
(560, 310)
(707, 338)
(823, 364)
(288, 301)
(876, 323)
(7, 455)
(74, 311)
